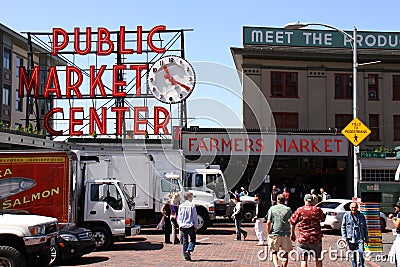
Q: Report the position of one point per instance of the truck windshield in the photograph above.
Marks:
(216, 183)
(128, 198)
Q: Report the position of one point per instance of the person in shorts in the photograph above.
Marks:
(278, 230)
(309, 241)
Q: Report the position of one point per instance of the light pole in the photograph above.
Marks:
(298, 25)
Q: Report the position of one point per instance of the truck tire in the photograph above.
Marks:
(9, 256)
(102, 237)
(43, 259)
(204, 220)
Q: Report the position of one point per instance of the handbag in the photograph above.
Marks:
(161, 224)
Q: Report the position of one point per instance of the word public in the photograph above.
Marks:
(74, 79)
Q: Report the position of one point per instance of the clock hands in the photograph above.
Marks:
(173, 81)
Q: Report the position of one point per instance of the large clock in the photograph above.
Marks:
(171, 79)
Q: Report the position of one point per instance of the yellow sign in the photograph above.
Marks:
(356, 131)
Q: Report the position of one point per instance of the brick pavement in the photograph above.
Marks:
(216, 248)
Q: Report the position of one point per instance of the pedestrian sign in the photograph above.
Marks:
(356, 131)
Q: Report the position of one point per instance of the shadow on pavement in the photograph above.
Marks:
(134, 239)
(84, 261)
(139, 246)
(214, 231)
(210, 260)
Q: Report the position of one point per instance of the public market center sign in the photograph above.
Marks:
(318, 38)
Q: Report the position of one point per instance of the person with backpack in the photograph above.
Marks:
(238, 216)
(261, 212)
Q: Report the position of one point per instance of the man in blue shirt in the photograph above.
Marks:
(188, 224)
(355, 232)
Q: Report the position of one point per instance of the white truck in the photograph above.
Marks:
(26, 239)
(156, 173)
(71, 187)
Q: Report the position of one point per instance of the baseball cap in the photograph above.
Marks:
(308, 198)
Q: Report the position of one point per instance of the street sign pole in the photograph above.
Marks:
(355, 148)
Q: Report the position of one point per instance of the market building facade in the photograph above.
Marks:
(306, 77)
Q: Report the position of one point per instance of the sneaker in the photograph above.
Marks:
(260, 244)
(236, 239)
(244, 235)
(188, 256)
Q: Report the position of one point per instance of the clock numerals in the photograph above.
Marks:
(171, 79)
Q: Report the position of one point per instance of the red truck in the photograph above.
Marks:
(59, 185)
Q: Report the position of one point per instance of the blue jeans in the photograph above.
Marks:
(239, 230)
(357, 247)
(186, 234)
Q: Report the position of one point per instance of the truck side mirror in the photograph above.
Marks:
(133, 193)
(103, 192)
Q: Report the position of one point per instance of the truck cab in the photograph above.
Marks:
(209, 185)
(26, 238)
(203, 201)
(109, 211)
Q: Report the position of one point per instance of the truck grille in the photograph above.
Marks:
(51, 228)
(86, 236)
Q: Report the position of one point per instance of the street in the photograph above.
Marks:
(215, 248)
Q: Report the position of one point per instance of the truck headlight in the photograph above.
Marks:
(69, 238)
(37, 230)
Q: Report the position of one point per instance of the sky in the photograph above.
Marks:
(217, 25)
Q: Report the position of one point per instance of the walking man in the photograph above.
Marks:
(309, 241)
(188, 224)
(238, 217)
(259, 219)
(278, 230)
(355, 232)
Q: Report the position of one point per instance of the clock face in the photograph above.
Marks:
(171, 79)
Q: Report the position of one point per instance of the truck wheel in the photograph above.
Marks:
(102, 237)
(9, 256)
(204, 220)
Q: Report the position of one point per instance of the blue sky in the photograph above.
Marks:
(217, 25)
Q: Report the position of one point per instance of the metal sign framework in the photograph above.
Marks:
(172, 40)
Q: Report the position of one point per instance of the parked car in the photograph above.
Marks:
(73, 242)
(335, 210)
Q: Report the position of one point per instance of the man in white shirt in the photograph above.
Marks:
(188, 224)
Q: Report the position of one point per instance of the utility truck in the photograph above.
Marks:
(159, 172)
(62, 185)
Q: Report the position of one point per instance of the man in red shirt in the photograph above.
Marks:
(309, 241)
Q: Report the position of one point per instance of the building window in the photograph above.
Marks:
(283, 84)
(374, 126)
(286, 120)
(396, 127)
(6, 95)
(378, 175)
(373, 87)
(343, 86)
(396, 87)
(18, 63)
(18, 101)
(341, 120)
(7, 59)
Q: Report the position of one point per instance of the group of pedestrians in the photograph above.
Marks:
(281, 224)
(181, 217)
